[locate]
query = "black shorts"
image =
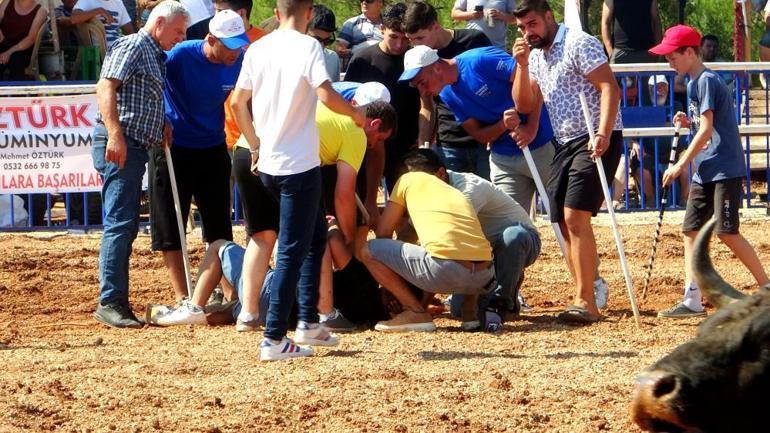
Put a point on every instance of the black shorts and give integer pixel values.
(329, 179)
(575, 180)
(260, 209)
(200, 173)
(724, 195)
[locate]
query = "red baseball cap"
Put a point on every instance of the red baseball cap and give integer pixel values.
(676, 37)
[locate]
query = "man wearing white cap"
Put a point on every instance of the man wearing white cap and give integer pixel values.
(199, 76)
(343, 146)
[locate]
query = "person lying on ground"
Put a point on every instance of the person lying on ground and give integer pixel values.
(356, 293)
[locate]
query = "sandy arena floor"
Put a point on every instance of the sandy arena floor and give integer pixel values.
(63, 371)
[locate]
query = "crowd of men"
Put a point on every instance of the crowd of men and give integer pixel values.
(309, 155)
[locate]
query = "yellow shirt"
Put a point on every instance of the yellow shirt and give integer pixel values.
(341, 139)
(231, 128)
(444, 220)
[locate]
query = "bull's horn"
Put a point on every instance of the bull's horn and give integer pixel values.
(716, 290)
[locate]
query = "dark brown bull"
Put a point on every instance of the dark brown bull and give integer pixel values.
(719, 381)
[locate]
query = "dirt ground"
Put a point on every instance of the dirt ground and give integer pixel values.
(63, 371)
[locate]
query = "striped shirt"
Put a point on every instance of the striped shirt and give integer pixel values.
(138, 62)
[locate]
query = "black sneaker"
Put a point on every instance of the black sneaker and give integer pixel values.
(117, 316)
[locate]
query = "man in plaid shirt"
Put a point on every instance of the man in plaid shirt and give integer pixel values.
(130, 120)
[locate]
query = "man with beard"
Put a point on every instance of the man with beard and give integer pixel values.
(561, 64)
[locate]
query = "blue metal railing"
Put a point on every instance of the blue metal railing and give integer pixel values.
(83, 210)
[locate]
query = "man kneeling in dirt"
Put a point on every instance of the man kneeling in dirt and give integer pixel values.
(506, 225)
(356, 294)
(454, 257)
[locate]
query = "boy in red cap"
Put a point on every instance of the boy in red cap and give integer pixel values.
(719, 165)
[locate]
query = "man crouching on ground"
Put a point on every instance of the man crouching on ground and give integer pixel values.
(454, 257)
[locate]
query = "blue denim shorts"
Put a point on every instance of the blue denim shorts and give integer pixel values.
(231, 256)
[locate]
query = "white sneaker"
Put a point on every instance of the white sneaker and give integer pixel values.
(314, 334)
(284, 349)
(601, 293)
(186, 313)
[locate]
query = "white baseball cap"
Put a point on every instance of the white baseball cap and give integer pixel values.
(658, 79)
(370, 92)
(415, 59)
(227, 26)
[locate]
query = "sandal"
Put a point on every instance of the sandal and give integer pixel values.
(577, 315)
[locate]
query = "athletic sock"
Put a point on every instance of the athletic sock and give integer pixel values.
(307, 326)
(332, 315)
(692, 297)
(245, 316)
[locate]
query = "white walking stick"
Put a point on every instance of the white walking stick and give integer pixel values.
(546, 202)
(611, 211)
(362, 208)
(179, 222)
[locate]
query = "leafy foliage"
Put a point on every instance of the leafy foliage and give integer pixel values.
(708, 16)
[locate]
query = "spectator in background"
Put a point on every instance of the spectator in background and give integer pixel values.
(629, 29)
(145, 7)
(659, 87)
(20, 21)
(764, 43)
(130, 6)
(489, 16)
(384, 63)
(112, 13)
(322, 28)
(87, 34)
(709, 49)
(201, 12)
(361, 31)
(269, 24)
(63, 12)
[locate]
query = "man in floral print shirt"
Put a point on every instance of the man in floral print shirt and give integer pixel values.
(559, 64)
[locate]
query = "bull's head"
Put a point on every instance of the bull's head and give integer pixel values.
(720, 381)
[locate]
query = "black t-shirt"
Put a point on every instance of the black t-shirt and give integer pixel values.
(373, 64)
(450, 133)
(357, 294)
(632, 29)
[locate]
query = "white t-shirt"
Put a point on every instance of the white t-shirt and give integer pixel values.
(282, 70)
(115, 8)
(199, 10)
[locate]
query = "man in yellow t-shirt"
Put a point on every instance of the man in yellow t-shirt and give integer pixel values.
(454, 256)
(342, 149)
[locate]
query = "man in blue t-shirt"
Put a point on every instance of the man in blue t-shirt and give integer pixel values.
(199, 76)
(476, 86)
(717, 154)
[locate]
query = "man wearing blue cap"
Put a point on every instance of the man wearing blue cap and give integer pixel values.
(199, 76)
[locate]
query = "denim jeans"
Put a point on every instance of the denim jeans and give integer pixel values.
(466, 159)
(301, 244)
(515, 249)
(121, 192)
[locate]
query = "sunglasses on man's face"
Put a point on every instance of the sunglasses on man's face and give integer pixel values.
(326, 41)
